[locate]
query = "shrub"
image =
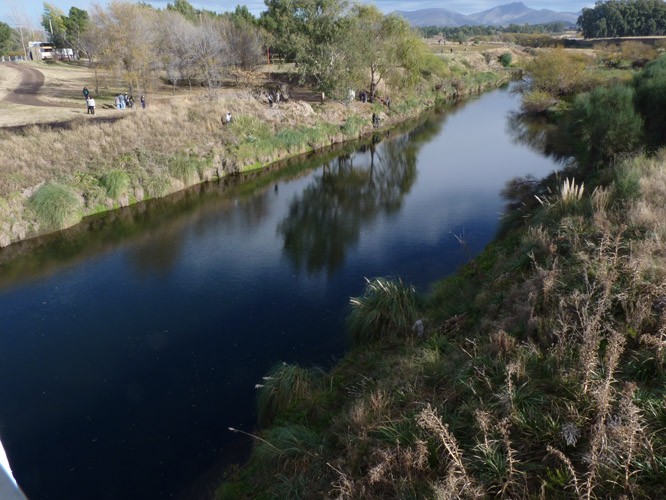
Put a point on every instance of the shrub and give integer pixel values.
(558, 72)
(56, 206)
(386, 308)
(627, 182)
(505, 59)
(284, 385)
(116, 183)
(537, 102)
(650, 100)
(607, 122)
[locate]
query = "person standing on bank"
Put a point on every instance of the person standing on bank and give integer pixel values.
(143, 102)
(86, 93)
(91, 105)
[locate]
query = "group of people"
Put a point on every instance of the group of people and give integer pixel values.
(364, 97)
(121, 101)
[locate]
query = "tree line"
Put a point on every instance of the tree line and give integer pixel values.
(335, 46)
(464, 33)
(618, 18)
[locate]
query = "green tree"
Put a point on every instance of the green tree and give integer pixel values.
(385, 48)
(53, 21)
(6, 34)
(309, 32)
(185, 9)
(75, 25)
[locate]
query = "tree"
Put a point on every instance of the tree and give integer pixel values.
(6, 34)
(185, 9)
(384, 47)
(311, 33)
(53, 21)
(245, 41)
(75, 25)
(209, 49)
(127, 38)
(175, 41)
(618, 18)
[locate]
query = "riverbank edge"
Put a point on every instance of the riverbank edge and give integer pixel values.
(20, 222)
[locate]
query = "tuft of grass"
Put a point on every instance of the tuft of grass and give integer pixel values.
(183, 168)
(353, 125)
(158, 185)
(285, 385)
(116, 183)
(386, 309)
(56, 206)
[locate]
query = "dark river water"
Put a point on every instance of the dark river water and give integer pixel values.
(131, 343)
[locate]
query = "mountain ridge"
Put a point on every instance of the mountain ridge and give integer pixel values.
(501, 15)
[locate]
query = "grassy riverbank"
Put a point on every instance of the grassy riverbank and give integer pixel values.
(539, 371)
(54, 175)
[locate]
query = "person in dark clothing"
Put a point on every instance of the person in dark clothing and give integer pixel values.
(86, 92)
(143, 101)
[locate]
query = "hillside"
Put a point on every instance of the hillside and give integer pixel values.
(502, 15)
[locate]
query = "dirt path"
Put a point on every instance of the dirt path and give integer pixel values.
(26, 93)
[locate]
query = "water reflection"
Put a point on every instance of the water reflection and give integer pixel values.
(326, 219)
(541, 136)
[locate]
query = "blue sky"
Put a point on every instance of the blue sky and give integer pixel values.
(13, 10)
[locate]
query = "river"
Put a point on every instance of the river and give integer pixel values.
(131, 343)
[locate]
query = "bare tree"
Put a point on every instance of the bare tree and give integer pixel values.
(246, 44)
(175, 41)
(129, 41)
(209, 51)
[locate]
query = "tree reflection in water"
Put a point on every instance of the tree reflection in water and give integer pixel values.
(541, 136)
(351, 191)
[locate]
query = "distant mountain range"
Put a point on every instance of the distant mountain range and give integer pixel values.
(502, 15)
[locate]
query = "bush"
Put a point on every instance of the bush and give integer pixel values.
(537, 102)
(56, 206)
(650, 100)
(505, 59)
(607, 122)
(386, 308)
(116, 183)
(558, 72)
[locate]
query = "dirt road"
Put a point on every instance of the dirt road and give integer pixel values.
(26, 92)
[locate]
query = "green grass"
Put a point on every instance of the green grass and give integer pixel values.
(184, 168)
(386, 308)
(117, 183)
(56, 206)
(284, 386)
